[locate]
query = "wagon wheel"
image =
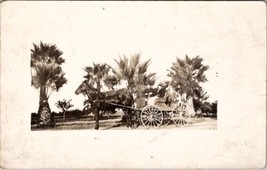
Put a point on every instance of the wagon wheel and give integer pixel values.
(151, 116)
(180, 116)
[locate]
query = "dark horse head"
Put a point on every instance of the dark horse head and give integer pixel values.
(85, 88)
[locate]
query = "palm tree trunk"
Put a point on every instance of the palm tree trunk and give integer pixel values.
(97, 106)
(43, 95)
(190, 107)
(128, 118)
(44, 111)
(96, 115)
(45, 114)
(64, 113)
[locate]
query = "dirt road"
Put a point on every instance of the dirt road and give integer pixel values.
(198, 123)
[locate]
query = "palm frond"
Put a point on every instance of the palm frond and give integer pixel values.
(134, 61)
(187, 73)
(143, 67)
(46, 53)
(47, 74)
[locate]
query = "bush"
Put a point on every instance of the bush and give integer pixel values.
(75, 113)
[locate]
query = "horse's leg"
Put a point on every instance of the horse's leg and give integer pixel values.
(101, 113)
(102, 110)
(128, 118)
(105, 113)
(121, 113)
(108, 114)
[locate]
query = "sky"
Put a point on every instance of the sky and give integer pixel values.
(100, 32)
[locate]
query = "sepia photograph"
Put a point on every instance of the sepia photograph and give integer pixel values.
(133, 85)
(127, 95)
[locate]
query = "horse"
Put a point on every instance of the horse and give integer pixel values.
(107, 101)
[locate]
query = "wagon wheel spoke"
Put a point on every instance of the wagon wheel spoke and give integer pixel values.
(157, 122)
(154, 123)
(146, 121)
(157, 118)
(178, 122)
(150, 123)
(146, 113)
(158, 113)
(182, 122)
(145, 118)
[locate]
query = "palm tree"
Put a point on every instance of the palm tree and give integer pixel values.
(95, 77)
(186, 76)
(47, 76)
(135, 73)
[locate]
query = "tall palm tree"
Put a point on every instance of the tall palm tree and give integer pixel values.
(47, 76)
(186, 76)
(135, 73)
(95, 77)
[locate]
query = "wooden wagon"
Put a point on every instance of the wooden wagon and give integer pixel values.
(158, 113)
